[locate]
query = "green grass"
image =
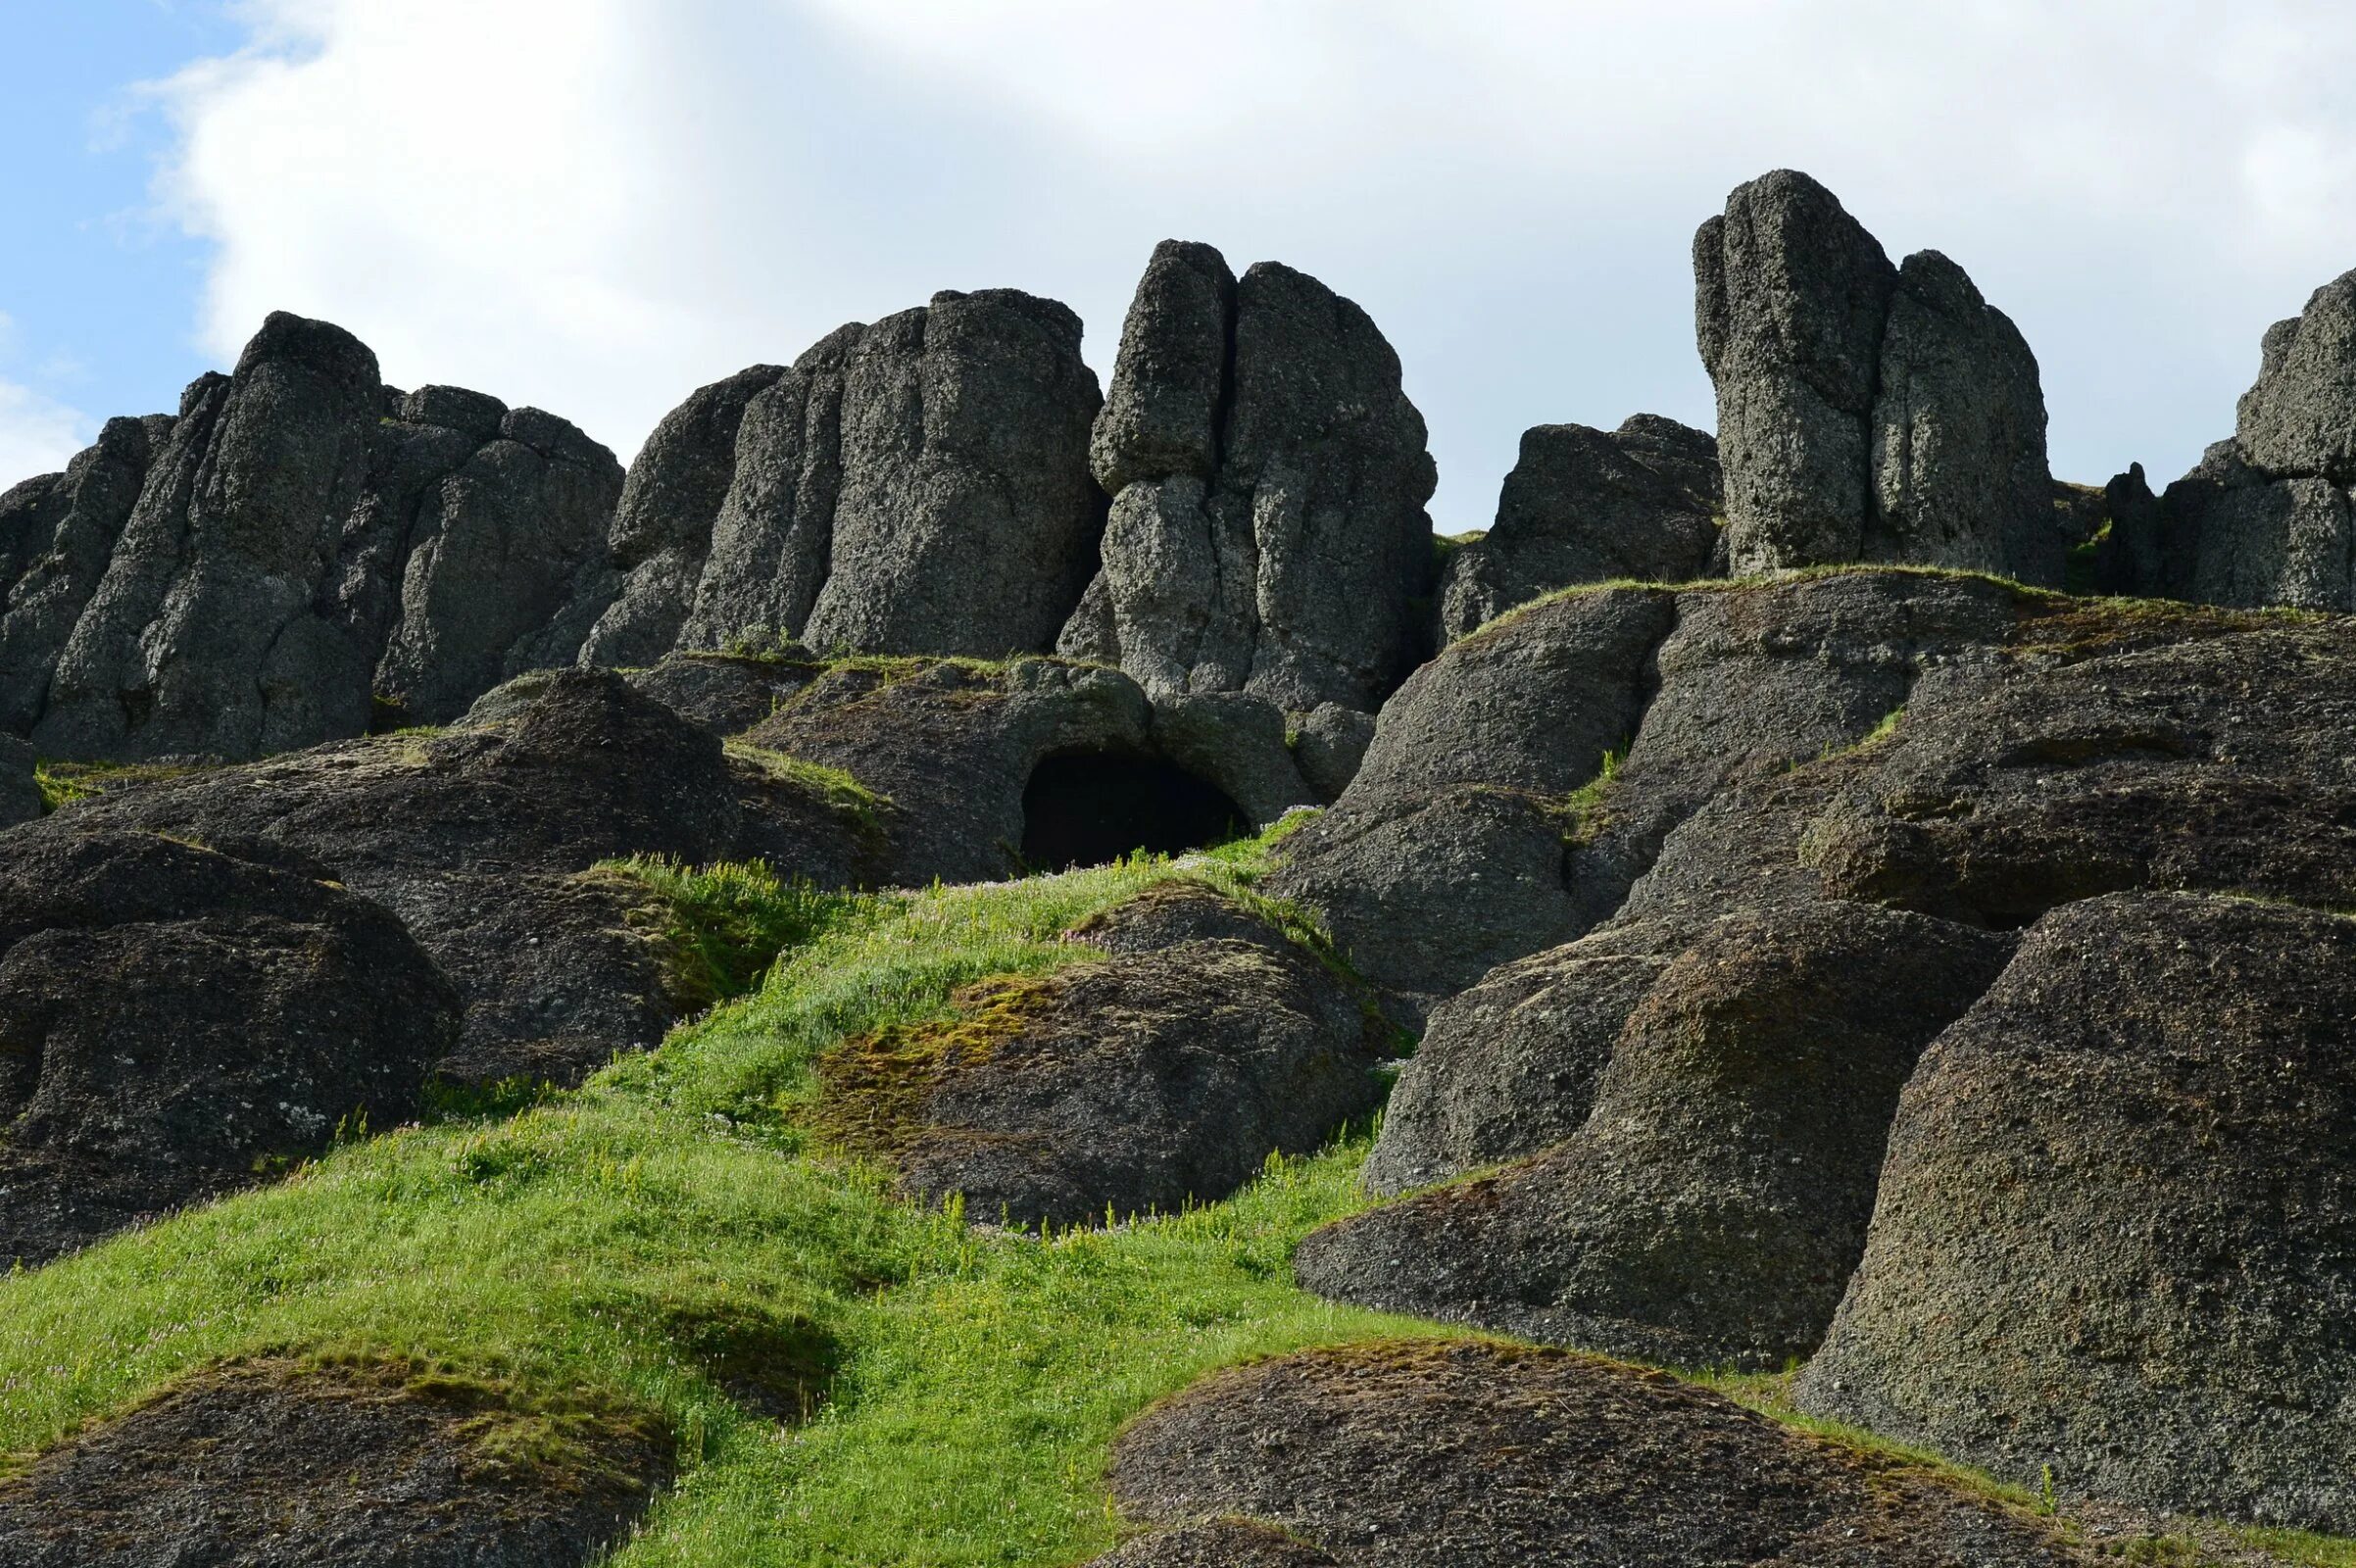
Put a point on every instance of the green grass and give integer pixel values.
(64, 783)
(841, 792)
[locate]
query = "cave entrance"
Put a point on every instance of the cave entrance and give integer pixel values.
(1089, 808)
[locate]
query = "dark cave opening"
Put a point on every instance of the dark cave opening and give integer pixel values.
(1089, 808)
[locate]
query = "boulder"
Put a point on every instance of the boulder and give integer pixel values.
(1865, 412)
(1535, 1458)
(1268, 477)
(1709, 1211)
(1116, 1088)
(1330, 745)
(56, 537)
(367, 1465)
(173, 1021)
(2299, 417)
(663, 520)
(1640, 503)
(479, 839)
(2113, 1241)
(1034, 764)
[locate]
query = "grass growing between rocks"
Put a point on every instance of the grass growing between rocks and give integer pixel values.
(586, 1248)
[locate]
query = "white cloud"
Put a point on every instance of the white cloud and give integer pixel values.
(594, 205)
(36, 433)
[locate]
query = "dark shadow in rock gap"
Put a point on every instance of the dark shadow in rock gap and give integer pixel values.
(1089, 808)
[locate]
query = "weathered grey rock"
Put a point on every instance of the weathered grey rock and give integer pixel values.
(494, 553)
(203, 636)
(1331, 746)
(2299, 417)
(1710, 1209)
(1227, 1544)
(1427, 887)
(173, 1020)
(20, 791)
(1958, 435)
(1267, 530)
(774, 540)
(1582, 506)
(299, 546)
(1865, 412)
(663, 520)
(56, 536)
(1116, 1088)
(2117, 1219)
(967, 521)
(1421, 1453)
(350, 1465)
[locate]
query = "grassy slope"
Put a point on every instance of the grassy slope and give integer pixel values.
(563, 1248)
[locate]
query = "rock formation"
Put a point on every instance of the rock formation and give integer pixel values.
(300, 545)
(19, 790)
(2126, 1173)
(173, 1020)
(1122, 1088)
(1588, 506)
(2263, 518)
(1865, 412)
(916, 486)
(1268, 480)
(1408, 1453)
(351, 1466)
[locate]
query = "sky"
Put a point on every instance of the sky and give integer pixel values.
(597, 204)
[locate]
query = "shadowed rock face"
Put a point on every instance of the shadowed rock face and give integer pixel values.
(479, 838)
(1166, 1076)
(1403, 1454)
(173, 1020)
(2115, 1228)
(1582, 506)
(20, 791)
(298, 545)
(1865, 412)
(355, 1467)
(2263, 518)
(1268, 479)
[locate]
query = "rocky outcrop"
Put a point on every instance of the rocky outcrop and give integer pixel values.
(1696, 1090)
(2124, 1177)
(370, 1465)
(1408, 1454)
(174, 1020)
(299, 546)
(1709, 1211)
(2263, 518)
(664, 523)
(1641, 502)
(56, 537)
(1268, 479)
(1484, 825)
(1132, 1087)
(1038, 764)
(480, 840)
(1865, 412)
(915, 486)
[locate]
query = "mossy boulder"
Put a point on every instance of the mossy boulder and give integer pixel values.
(1465, 1454)
(355, 1465)
(1196, 1040)
(2115, 1239)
